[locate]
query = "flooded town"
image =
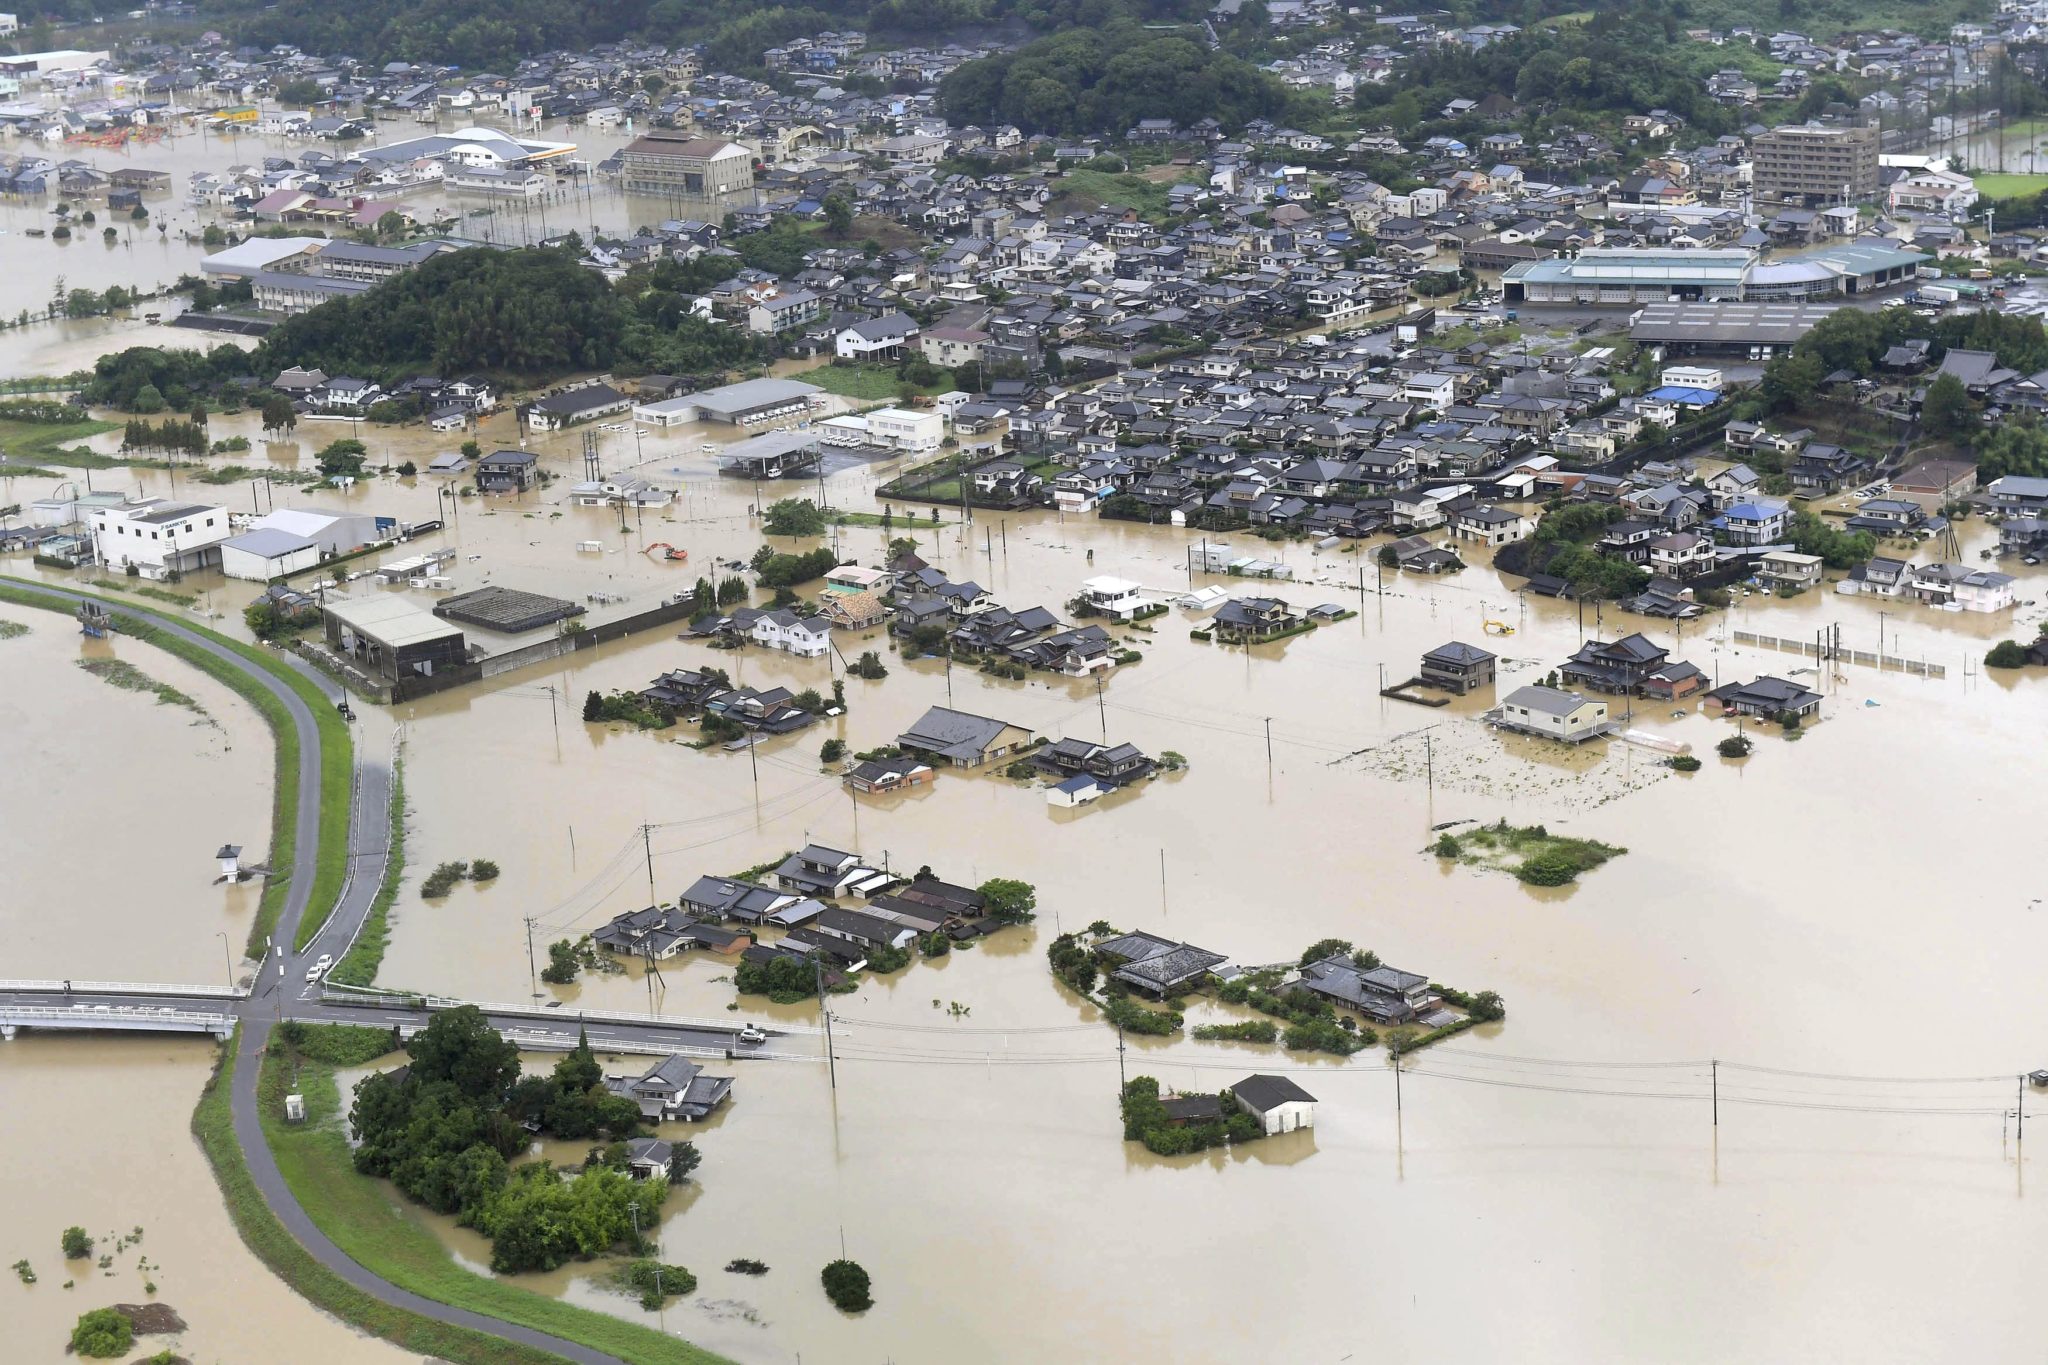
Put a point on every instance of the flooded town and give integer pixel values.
(709, 690)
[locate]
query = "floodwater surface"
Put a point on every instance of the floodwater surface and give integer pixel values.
(1856, 909)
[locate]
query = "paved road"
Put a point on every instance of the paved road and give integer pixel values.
(368, 827)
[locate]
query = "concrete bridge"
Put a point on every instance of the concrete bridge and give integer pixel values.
(89, 1006)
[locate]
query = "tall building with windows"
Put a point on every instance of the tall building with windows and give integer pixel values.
(1816, 163)
(693, 167)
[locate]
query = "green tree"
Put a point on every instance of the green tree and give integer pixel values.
(278, 413)
(103, 1334)
(838, 215)
(793, 517)
(341, 459)
(2007, 654)
(847, 1285)
(1790, 380)
(148, 399)
(562, 963)
(1009, 901)
(460, 1047)
(1947, 411)
(76, 1244)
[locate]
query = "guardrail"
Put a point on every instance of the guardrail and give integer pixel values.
(136, 1017)
(344, 995)
(76, 987)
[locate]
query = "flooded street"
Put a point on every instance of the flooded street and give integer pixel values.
(1543, 1192)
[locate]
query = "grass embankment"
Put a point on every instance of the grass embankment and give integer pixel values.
(358, 966)
(870, 383)
(336, 760)
(1531, 852)
(213, 1125)
(369, 1221)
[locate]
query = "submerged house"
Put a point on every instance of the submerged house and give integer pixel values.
(1158, 966)
(673, 1088)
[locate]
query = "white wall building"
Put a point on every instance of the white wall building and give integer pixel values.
(1117, 597)
(906, 430)
(157, 536)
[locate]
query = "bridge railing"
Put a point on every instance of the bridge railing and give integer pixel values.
(347, 996)
(82, 987)
(137, 1014)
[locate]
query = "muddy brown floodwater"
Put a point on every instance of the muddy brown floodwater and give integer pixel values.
(95, 1135)
(1861, 902)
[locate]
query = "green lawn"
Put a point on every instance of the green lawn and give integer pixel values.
(2012, 186)
(336, 763)
(367, 1219)
(869, 383)
(213, 1125)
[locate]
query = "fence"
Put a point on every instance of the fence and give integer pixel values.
(1812, 649)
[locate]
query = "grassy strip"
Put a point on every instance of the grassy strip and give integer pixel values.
(336, 763)
(339, 1044)
(213, 1125)
(366, 1219)
(358, 966)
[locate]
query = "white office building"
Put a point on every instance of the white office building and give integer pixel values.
(158, 537)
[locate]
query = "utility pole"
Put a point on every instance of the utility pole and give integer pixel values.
(1716, 1074)
(1397, 1085)
(831, 1058)
(2021, 1111)
(1101, 707)
(647, 847)
(1429, 760)
(532, 973)
(554, 716)
(1121, 1082)
(1269, 748)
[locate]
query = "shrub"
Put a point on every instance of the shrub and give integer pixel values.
(1447, 846)
(846, 1284)
(76, 1244)
(870, 666)
(1735, 746)
(1789, 719)
(1684, 763)
(483, 870)
(2006, 654)
(1551, 867)
(742, 1266)
(831, 751)
(103, 1333)
(442, 880)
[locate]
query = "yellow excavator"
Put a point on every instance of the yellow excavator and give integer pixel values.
(1499, 628)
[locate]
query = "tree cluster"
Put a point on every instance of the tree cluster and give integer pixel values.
(443, 1128)
(1104, 80)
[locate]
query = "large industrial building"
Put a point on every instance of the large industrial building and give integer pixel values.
(694, 167)
(750, 402)
(1816, 163)
(1754, 330)
(1626, 276)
